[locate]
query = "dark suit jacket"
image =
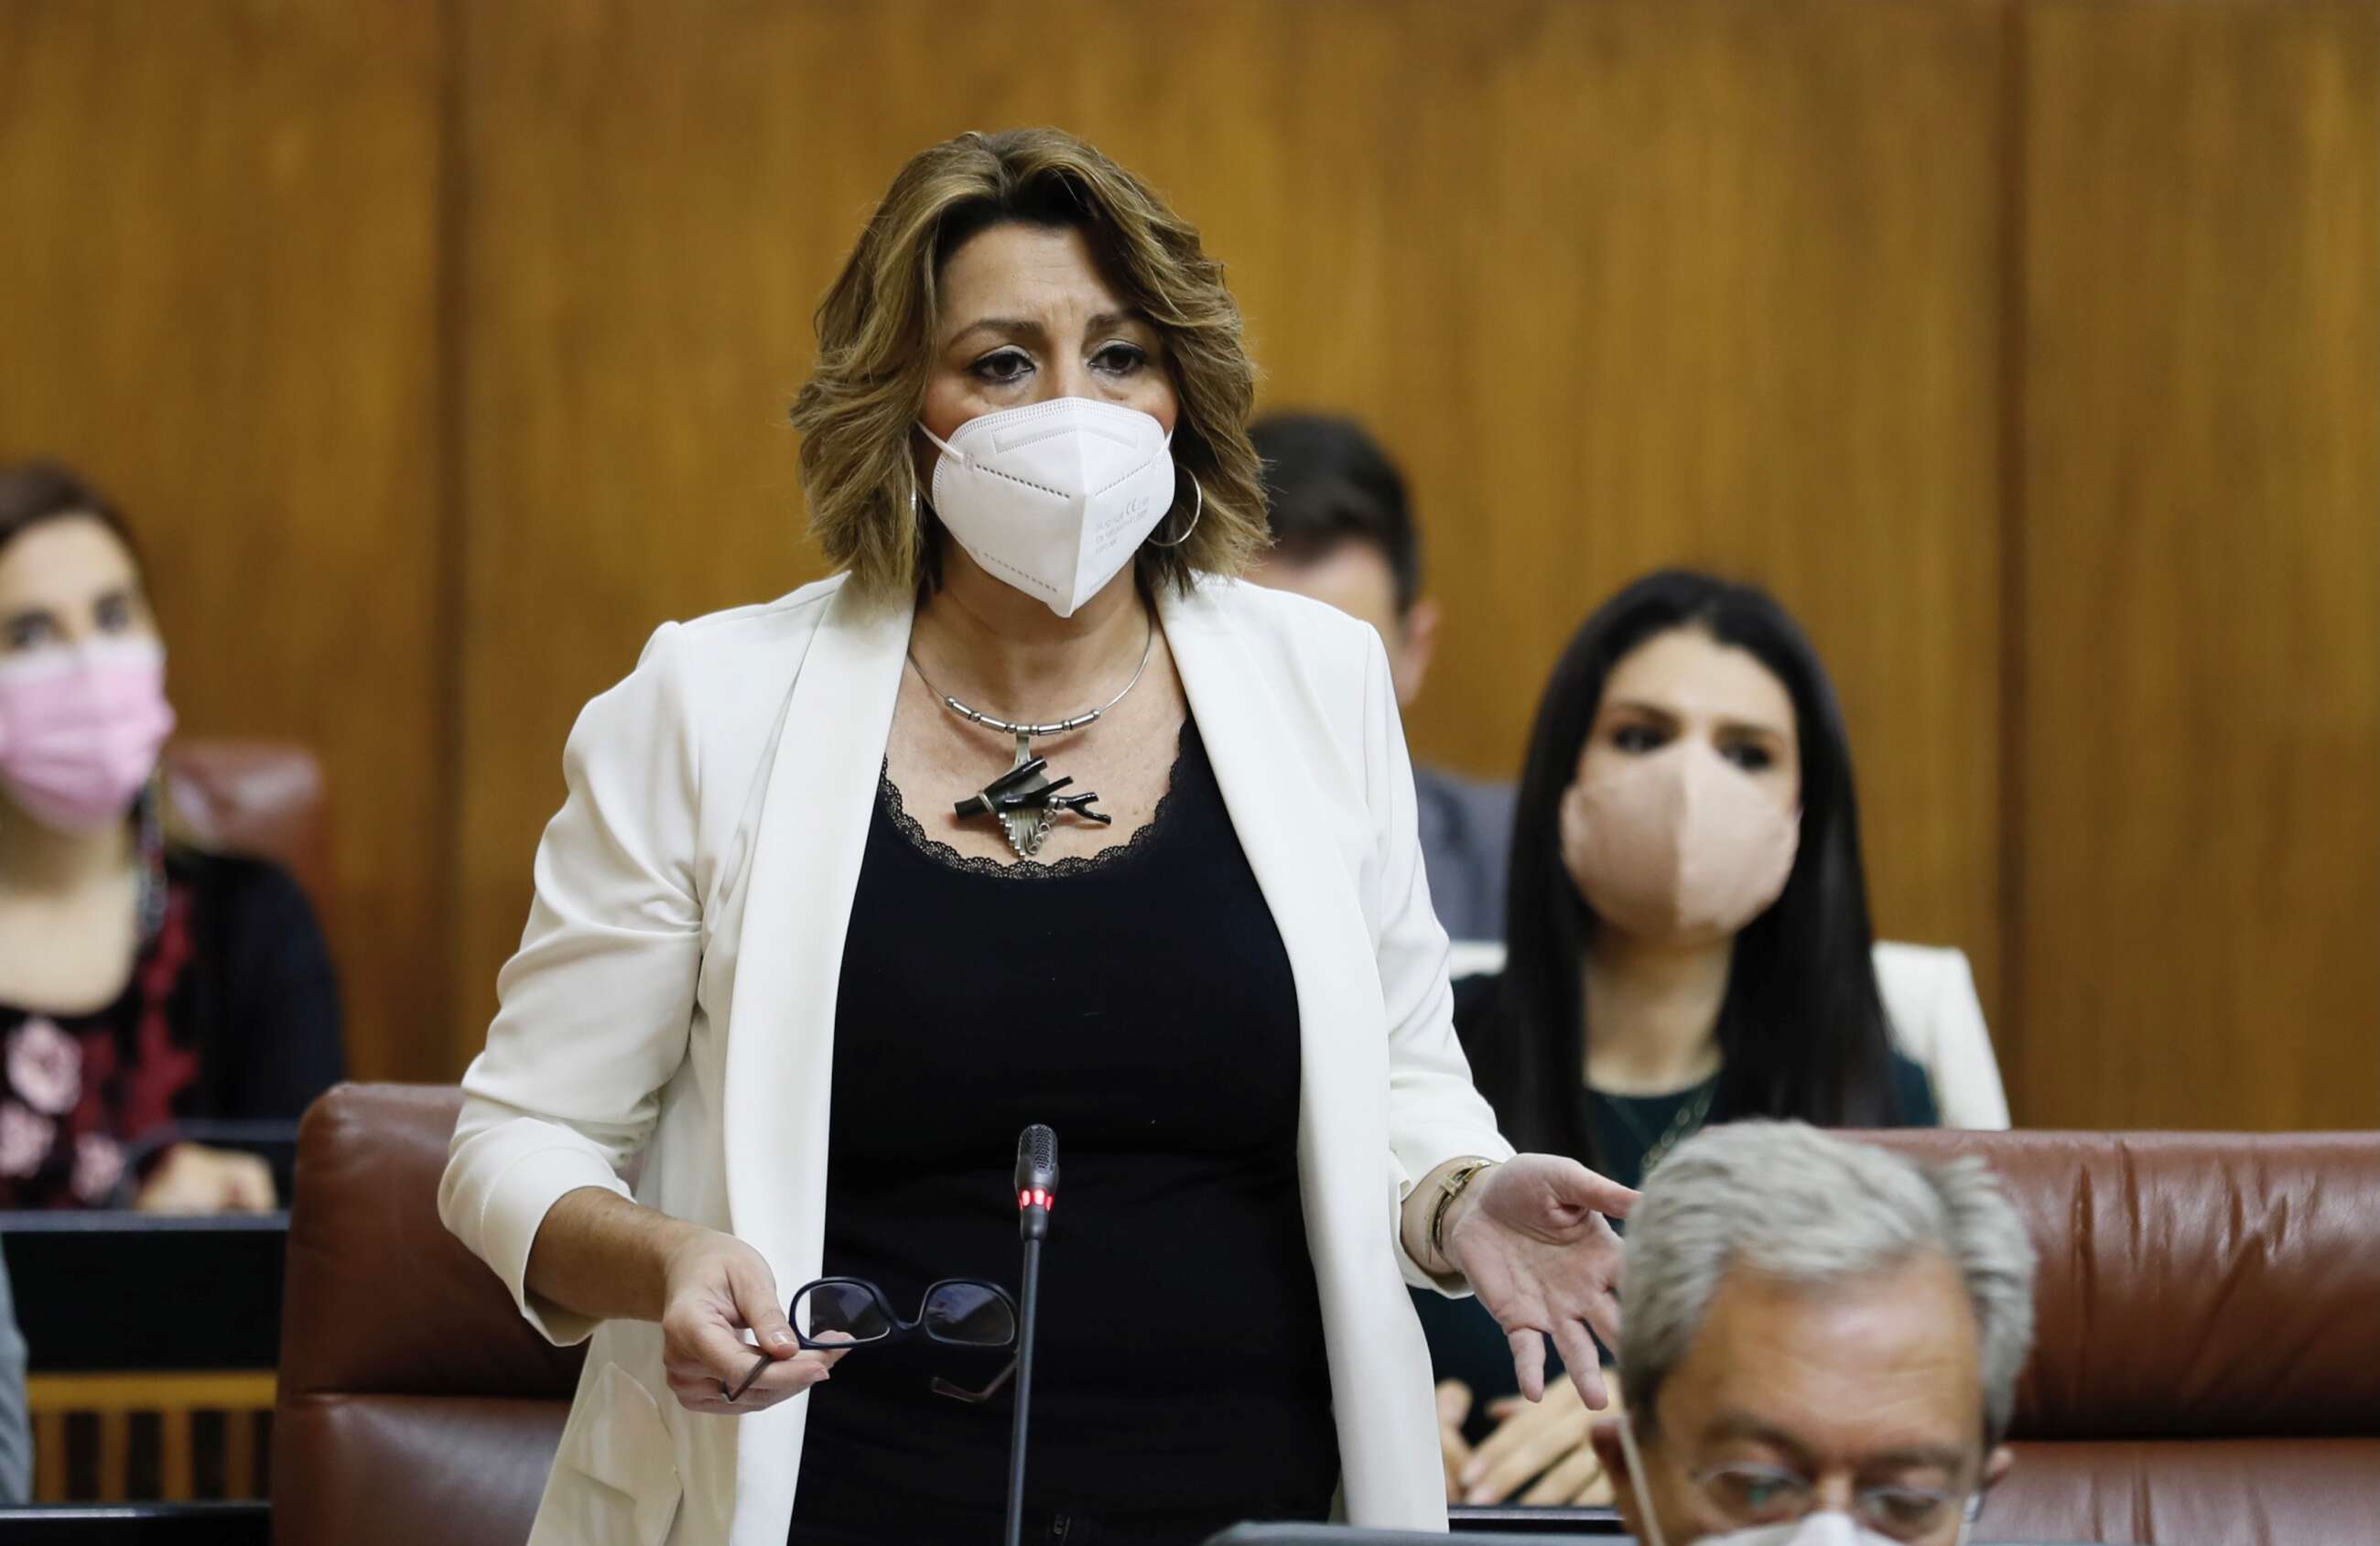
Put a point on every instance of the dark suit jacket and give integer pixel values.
(1466, 839)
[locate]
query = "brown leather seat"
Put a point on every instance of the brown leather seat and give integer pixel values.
(414, 1401)
(2207, 1368)
(2206, 1355)
(260, 800)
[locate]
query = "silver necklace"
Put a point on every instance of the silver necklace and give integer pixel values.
(1025, 799)
(1686, 1124)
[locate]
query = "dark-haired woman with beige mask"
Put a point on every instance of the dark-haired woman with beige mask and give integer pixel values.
(1032, 814)
(1689, 944)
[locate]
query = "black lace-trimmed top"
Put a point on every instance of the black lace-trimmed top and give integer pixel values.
(888, 796)
(1140, 1002)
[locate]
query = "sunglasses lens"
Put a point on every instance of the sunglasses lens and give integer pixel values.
(841, 1309)
(969, 1313)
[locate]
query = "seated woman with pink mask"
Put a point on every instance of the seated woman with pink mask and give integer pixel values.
(1689, 944)
(140, 988)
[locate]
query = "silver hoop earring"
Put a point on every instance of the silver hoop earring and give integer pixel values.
(1199, 510)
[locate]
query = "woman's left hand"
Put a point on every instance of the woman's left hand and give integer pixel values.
(1530, 1235)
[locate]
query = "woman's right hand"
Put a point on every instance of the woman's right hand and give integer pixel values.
(716, 1289)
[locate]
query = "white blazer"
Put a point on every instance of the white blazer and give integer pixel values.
(673, 1006)
(1929, 997)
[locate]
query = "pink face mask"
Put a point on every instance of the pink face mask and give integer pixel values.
(1682, 846)
(79, 729)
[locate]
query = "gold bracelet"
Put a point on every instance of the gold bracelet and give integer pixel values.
(1450, 1188)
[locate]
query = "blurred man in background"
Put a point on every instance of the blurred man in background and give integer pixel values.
(1344, 535)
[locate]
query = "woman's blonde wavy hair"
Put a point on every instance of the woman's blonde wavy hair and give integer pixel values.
(875, 326)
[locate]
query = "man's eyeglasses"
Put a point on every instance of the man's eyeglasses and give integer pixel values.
(837, 1314)
(1751, 1495)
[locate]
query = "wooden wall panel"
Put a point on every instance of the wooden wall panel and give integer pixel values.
(2199, 795)
(2025, 347)
(1622, 284)
(218, 288)
(1758, 334)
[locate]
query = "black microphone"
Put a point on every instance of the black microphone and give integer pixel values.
(1036, 1193)
(1036, 1180)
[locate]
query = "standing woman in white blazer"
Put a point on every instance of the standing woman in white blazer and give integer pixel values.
(807, 952)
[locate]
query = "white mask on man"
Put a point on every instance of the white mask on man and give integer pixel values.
(1054, 498)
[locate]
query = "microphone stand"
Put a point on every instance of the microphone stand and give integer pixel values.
(1030, 1302)
(1036, 1193)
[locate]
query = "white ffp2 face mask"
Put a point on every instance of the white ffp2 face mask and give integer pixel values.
(1054, 498)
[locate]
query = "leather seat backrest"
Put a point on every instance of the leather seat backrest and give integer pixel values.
(259, 799)
(412, 1392)
(2207, 1355)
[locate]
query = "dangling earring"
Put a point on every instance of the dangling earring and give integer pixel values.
(149, 816)
(1199, 510)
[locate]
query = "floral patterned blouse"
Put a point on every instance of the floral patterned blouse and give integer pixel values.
(78, 1092)
(232, 1015)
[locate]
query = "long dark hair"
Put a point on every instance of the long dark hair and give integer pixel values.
(1801, 1031)
(35, 492)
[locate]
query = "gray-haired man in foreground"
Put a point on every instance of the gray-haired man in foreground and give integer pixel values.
(1821, 1343)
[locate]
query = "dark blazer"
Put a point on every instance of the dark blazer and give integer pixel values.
(1466, 841)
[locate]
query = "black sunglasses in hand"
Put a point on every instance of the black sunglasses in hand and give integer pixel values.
(835, 1315)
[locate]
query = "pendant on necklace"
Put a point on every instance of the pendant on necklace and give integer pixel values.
(1026, 800)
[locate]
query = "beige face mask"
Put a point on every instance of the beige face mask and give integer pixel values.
(1680, 847)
